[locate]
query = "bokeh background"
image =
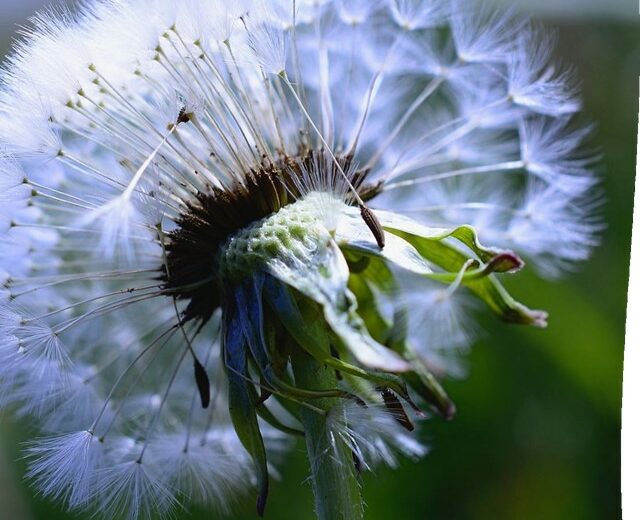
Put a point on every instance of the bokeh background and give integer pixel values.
(537, 435)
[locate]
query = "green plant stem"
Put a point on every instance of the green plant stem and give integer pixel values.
(334, 477)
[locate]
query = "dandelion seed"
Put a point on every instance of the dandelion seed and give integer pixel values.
(225, 226)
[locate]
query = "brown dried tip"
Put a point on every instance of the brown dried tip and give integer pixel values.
(202, 381)
(184, 116)
(398, 412)
(373, 224)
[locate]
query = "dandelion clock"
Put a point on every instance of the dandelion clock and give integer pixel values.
(226, 226)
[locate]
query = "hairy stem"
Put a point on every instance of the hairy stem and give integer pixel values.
(333, 473)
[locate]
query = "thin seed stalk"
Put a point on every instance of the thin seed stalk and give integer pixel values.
(336, 486)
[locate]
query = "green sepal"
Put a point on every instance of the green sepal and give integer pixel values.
(249, 306)
(379, 327)
(300, 320)
(487, 288)
(394, 335)
(326, 284)
(352, 237)
(267, 416)
(376, 271)
(243, 404)
(465, 234)
(434, 246)
(429, 389)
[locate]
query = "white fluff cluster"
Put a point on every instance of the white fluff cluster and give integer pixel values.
(374, 435)
(113, 118)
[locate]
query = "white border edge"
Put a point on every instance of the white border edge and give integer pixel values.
(630, 436)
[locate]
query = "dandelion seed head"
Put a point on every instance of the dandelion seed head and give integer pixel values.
(192, 192)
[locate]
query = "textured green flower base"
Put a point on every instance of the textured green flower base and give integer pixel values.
(293, 235)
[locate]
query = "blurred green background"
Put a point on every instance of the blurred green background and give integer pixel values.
(537, 435)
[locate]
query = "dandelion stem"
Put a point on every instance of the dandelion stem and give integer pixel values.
(336, 486)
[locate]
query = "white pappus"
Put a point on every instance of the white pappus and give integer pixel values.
(181, 181)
